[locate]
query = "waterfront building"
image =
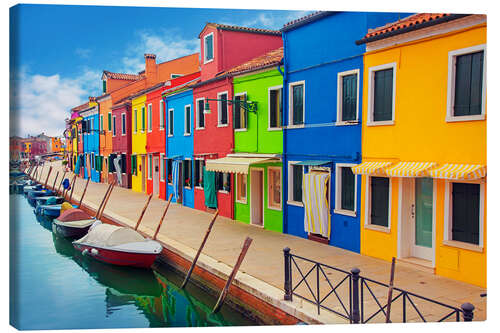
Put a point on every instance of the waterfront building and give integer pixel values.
(178, 112)
(423, 187)
(222, 48)
(90, 141)
(258, 142)
(323, 73)
(139, 137)
(122, 139)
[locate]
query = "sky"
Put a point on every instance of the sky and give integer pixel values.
(58, 52)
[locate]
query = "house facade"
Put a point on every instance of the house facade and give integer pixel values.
(122, 140)
(322, 133)
(90, 141)
(139, 138)
(222, 48)
(423, 186)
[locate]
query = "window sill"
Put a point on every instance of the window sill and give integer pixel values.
(274, 129)
(223, 191)
(222, 125)
(278, 209)
(347, 123)
(207, 61)
(378, 228)
(380, 123)
(295, 203)
(345, 212)
(162, 128)
(187, 134)
(170, 135)
(463, 245)
(187, 187)
(123, 134)
(199, 128)
(295, 126)
(241, 202)
(240, 129)
(170, 184)
(454, 119)
(198, 187)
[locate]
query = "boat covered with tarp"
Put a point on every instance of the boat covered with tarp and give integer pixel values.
(72, 223)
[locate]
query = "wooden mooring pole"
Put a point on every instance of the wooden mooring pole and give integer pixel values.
(54, 185)
(72, 188)
(32, 176)
(48, 175)
(84, 191)
(102, 201)
(224, 292)
(106, 201)
(389, 296)
(143, 211)
(188, 275)
(59, 188)
(163, 216)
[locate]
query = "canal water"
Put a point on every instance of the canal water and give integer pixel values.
(52, 286)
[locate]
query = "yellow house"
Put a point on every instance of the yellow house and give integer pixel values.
(423, 194)
(139, 138)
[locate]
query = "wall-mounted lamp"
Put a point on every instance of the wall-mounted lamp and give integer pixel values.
(244, 104)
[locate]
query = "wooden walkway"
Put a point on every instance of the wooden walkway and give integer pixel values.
(264, 260)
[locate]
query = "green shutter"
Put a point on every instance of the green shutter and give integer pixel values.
(103, 86)
(380, 201)
(109, 121)
(135, 121)
(465, 212)
(468, 84)
(209, 47)
(298, 104)
(349, 94)
(273, 108)
(143, 118)
(347, 189)
(382, 104)
(297, 183)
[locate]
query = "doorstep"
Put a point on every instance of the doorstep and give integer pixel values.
(417, 263)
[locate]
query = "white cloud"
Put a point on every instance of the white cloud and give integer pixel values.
(269, 20)
(83, 53)
(40, 103)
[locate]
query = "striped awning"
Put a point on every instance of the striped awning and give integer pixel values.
(371, 168)
(459, 171)
(409, 169)
(235, 164)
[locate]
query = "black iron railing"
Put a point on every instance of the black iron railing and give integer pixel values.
(352, 292)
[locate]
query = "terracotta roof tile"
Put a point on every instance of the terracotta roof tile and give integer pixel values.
(266, 60)
(245, 29)
(409, 23)
(122, 76)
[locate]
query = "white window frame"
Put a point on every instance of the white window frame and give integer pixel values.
(162, 120)
(198, 113)
(205, 60)
(269, 169)
(170, 120)
(150, 166)
(162, 171)
(219, 109)
(237, 189)
(368, 206)
(187, 131)
(452, 56)
(448, 218)
(195, 161)
(290, 103)
(113, 125)
(290, 200)
(149, 124)
(145, 116)
(191, 176)
(269, 128)
(246, 125)
(338, 191)
(229, 175)
(371, 92)
(124, 124)
(340, 92)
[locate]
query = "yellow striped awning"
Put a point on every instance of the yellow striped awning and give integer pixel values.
(370, 168)
(459, 171)
(409, 169)
(235, 164)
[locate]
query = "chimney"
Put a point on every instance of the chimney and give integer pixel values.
(151, 70)
(91, 99)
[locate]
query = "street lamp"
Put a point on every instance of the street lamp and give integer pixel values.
(244, 104)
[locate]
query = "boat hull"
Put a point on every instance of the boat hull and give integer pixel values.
(120, 258)
(69, 231)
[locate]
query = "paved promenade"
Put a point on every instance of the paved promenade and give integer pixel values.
(264, 260)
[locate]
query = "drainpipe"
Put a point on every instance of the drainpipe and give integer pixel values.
(284, 191)
(165, 106)
(233, 197)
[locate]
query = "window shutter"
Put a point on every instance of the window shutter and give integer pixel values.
(347, 189)
(143, 119)
(465, 206)
(297, 183)
(383, 95)
(109, 121)
(273, 108)
(104, 86)
(298, 104)
(380, 201)
(349, 92)
(468, 84)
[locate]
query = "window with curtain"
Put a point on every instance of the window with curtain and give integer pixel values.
(223, 181)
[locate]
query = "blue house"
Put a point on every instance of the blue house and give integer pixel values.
(179, 164)
(322, 96)
(90, 137)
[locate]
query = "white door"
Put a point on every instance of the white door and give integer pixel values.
(156, 175)
(257, 197)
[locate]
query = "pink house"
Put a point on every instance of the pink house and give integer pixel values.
(222, 47)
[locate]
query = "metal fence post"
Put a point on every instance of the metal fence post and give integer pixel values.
(468, 311)
(288, 274)
(355, 295)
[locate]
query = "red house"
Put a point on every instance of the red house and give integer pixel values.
(156, 135)
(222, 47)
(122, 141)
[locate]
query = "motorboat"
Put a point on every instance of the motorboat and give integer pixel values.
(121, 246)
(32, 195)
(72, 223)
